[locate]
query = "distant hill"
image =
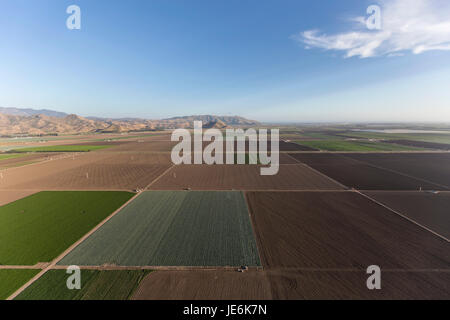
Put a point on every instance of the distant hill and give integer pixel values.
(228, 120)
(20, 122)
(31, 112)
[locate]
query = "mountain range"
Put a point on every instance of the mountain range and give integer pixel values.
(18, 121)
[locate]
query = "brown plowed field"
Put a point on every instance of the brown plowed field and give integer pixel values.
(134, 158)
(11, 196)
(242, 177)
(144, 145)
(13, 162)
(339, 230)
(433, 167)
(361, 175)
(204, 285)
(98, 176)
(430, 210)
(290, 285)
(352, 285)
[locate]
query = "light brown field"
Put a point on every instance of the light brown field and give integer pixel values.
(204, 285)
(11, 196)
(242, 177)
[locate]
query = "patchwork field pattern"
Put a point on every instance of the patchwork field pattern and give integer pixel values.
(173, 229)
(95, 285)
(40, 227)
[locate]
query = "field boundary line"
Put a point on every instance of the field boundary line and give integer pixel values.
(402, 215)
(68, 250)
(159, 177)
(320, 173)
(398, 172)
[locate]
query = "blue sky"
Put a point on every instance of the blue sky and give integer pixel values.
(302, 61)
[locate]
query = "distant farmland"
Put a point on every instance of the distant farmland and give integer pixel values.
(41, 226)
(67, 148)
(95, 285)
(342, 145)
(170, 228)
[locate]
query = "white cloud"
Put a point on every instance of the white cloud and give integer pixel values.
(407, 25)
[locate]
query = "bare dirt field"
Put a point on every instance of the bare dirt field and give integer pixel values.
(339, 230)
(352, 285)
(433, 167)
(26, 159)
(204, 285)
(428, 209)
(290, 285)
(10, 196)
(362, 175)
(242, 177)
(144, 145)
(98, 176)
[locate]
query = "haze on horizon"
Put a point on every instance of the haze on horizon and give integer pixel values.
(271, 61)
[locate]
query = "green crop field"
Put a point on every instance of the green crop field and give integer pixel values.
(95, 285)
(174, 228)
(341, 145)
(11, 280)
(68, 148)
(427, 137)
(40, 227)
(10, 156)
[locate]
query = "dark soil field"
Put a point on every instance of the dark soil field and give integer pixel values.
(204, 285)
(290, 285)
(174, 228)
(242, 177)
(428, 209)
(361, 175)
(432, 167)
(351, 285)
(339, 230)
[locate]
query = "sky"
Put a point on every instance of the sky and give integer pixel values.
(272, 61)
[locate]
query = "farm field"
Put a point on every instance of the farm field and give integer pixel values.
(422, 144)
(11, 280)
(11, 196)
(428, 209)
(40, 227)
(21, 159)
(362, 175)
(64, 148)
(96, 285)
(99, 176)
(162, 228)
(351, 285)
(204, 285)
(339, 230)
(433, 167)
(344, 145)
(9, 156)
(238, 177)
